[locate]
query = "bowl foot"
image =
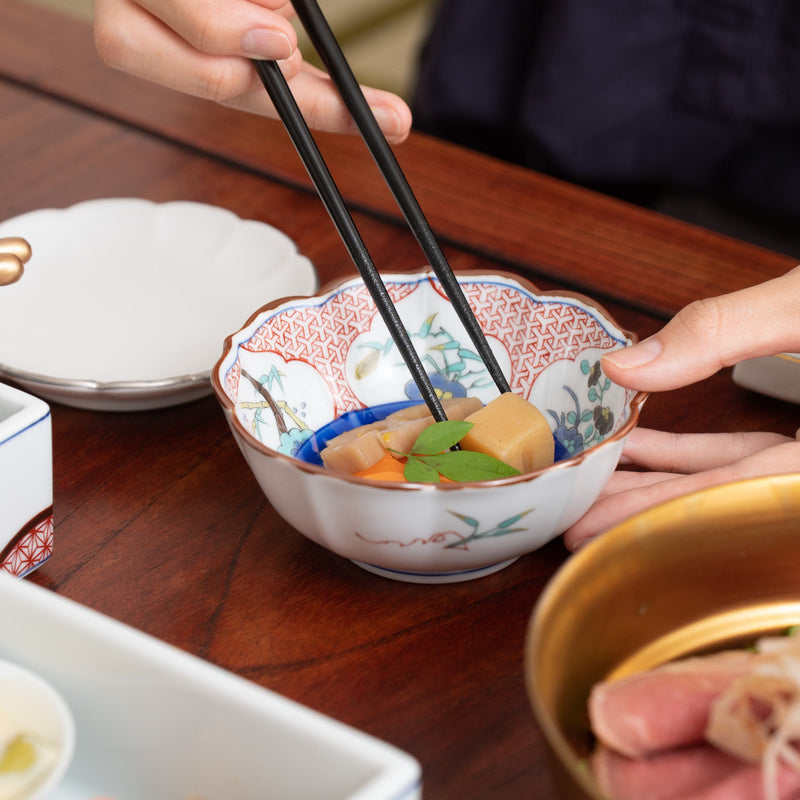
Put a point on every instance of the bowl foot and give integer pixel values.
(453, 576)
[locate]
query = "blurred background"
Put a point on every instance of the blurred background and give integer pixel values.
(380, 39)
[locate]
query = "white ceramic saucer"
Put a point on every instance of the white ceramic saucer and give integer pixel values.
(776, 376)
(125, 303)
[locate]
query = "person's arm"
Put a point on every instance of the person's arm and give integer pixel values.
(702, 338)
(205, 47)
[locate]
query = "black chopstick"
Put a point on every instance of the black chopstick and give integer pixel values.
(327, 47)
(286, 106)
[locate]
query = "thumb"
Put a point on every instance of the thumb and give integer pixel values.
(713, 333)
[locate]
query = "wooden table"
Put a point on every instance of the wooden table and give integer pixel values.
(158, 521)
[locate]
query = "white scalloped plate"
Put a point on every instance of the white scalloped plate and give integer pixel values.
(125, 303)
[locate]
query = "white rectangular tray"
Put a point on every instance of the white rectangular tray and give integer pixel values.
(155, 723)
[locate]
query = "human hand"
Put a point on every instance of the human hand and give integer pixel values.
(205, 47)
(701, 339)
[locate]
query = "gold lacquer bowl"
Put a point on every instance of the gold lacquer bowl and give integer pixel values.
(711, 570)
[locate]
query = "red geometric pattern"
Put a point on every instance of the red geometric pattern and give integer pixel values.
(30, 549)
(534, 332)
(304, 334)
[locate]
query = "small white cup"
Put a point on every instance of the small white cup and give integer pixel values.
(35, 707)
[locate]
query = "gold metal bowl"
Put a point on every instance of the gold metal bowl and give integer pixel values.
(714, 569)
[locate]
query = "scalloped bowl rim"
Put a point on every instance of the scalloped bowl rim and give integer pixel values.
(324, 294)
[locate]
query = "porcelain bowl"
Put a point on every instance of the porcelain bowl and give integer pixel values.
(301, 362)
(705, 572)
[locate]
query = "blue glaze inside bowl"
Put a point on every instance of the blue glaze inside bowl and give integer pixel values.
(310, 449)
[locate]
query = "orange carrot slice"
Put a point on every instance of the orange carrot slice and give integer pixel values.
(387, 468)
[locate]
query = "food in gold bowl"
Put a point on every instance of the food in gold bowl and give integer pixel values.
(714, 571)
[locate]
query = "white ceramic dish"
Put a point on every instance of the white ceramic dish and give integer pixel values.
(26, 481)
(777, 376)
(300, 363)
(125, 303)
(154, 722)
(31, 706)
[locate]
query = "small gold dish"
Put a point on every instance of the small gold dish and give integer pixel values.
(711, 570)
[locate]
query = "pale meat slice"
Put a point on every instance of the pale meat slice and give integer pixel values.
(699, 772)
(666, 707)
(679, 773)
(748, 783)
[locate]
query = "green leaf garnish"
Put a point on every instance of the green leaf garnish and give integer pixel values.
(440, 436)
(417, 471)
(431, 457)
(466, 465)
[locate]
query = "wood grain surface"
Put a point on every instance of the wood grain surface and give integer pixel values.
(158, 521)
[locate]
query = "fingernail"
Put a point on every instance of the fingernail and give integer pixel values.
(387, 120)
(266, 43)
(636, 355)
(580, 544)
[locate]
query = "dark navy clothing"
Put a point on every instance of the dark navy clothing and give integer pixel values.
(626, 96)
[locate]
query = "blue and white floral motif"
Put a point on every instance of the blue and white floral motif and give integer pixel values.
(576, 430)
(277, 414)
(452, 539)
(454, 370)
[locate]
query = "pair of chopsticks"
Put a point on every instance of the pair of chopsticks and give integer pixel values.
(339, 70)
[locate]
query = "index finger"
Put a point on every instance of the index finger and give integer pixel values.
(131, 39)
(229, 27)
(713, 333)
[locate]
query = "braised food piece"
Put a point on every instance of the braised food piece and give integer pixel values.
(361, 448)
(405, 425)
(513, 431)
(355, 450)
(454, 407)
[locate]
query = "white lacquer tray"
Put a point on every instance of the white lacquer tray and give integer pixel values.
(154, 723)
